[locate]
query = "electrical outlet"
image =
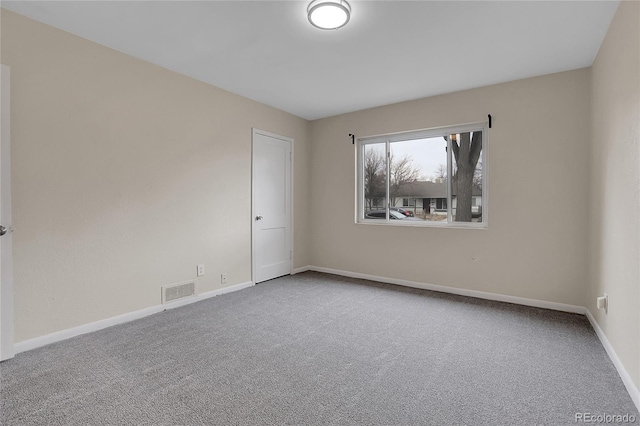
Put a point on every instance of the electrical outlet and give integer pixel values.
(200, 270)
(223, 278)
(602, 302)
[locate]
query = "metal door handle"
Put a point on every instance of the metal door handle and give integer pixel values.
(3, 230)
(259, 217)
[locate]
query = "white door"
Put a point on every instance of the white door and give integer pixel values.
(271, 206)
(6, 272)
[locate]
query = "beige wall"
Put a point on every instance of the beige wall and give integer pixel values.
(614, 225)
(535, 245)
(125, 177)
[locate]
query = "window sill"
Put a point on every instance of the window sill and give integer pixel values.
(425, 224)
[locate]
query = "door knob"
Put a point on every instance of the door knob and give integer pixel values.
(3, 230)
(259, 218)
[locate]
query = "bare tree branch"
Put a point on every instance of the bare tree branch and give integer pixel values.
(441, 172)
(401, 171)
(374, 177)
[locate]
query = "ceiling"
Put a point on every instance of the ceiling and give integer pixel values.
(390, 51)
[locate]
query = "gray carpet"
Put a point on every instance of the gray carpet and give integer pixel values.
(319, 349)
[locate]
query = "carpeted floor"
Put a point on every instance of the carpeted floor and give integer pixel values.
(319, 349)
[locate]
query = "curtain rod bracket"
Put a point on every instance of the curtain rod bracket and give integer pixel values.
(353, 138)
(489, 120)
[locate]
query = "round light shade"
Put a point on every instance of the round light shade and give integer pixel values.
(329, 14)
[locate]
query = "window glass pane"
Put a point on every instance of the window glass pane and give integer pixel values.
(418, 173)
(375, 178)
(466, 191)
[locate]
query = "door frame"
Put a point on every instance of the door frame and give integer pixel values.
(6, 281)
(254, 132)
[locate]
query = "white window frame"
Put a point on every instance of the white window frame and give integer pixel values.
(444, 131)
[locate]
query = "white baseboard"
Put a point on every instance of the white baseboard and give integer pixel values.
(459, 291)
(633, 390)
(58, 336)
(300, 270)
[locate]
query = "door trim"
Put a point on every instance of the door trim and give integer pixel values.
(254, 132)
(6, 282)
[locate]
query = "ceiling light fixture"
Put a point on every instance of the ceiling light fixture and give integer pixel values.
(329, 14)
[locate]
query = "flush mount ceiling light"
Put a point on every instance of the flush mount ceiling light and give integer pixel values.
(329, 14)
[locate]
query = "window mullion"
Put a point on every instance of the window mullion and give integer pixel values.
(360, 181)
(449, 180)
(388, 158)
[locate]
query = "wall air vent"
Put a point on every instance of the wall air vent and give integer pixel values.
(178, 291)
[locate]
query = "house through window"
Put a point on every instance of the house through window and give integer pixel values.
(432, 177)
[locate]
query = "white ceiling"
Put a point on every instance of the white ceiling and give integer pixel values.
(390, 51)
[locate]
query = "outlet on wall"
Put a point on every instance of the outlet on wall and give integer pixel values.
(223, 278)
(602, 302)
(200, 270)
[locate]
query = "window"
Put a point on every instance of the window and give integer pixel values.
(439, 173)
